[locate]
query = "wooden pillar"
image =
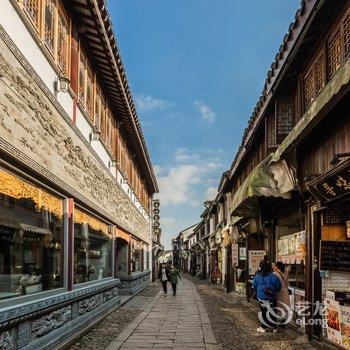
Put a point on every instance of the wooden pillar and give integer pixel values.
(309, 263)
(129, 258)
(70, 238)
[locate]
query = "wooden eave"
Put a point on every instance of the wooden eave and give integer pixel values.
(100, 41)
(288, 48)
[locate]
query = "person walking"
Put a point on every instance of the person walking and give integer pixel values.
(174, 278)
(164, 277)
(267, 286)
(283, 299)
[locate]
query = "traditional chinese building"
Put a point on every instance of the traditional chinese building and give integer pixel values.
(288, 185)
(76, 180)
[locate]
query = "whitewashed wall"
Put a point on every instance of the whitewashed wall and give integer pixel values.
(24, 40)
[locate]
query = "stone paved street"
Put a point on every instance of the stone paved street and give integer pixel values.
(234, 323)
(170, 322)
(201, 316)
(101, 335)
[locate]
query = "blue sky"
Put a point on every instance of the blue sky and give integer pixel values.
(196, 69)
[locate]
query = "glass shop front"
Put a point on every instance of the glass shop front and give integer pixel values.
(31, 237)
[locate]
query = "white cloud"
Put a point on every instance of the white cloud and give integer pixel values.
(146, 103)
(207, 114)
(182, 183)
(211, 193)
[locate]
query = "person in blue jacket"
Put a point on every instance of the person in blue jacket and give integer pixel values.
(267, 285)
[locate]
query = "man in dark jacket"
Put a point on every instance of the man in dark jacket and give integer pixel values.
(164, 277)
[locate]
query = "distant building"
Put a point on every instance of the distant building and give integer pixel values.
(166, 257)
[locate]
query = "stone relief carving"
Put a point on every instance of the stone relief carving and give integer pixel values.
(52, 321)
(109, 294)
(89, 304)
(6, 341)
(41, 130)
(19, 313)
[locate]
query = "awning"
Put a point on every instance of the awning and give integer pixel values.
(312, 115)
(25, 227)
(259, 183)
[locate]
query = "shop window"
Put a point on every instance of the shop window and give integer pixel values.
(135, 256)
(92, 248)
(334, 55)
(31, 243)
(32, 9)
(63, 41)
(49, 24)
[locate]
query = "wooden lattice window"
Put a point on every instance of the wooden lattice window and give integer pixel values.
(309, 89)
(109, 129)
(98, 106)
(32, 9)
(103, 118)
(346, 35)
(49, 25)
(334, 55)
(284, 117)
(320, 74)
(89, 92)
(82, 77)
(62, 41)
(270, 132)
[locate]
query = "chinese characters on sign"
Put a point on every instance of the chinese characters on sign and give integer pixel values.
(332, 187)
(255, 257)
(234, 254)
(291, 249)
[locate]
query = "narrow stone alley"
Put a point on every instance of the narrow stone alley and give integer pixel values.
(199, 317)
(170, 322)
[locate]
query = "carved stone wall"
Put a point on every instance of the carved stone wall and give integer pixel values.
(6, 340)
(134, 283)
(35, 129)
(35, 327)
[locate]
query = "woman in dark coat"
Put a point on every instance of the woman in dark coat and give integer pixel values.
(174, 278)
(267, 285)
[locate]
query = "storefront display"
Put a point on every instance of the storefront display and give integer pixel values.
(255, 257)
(31, 237)
(135, 256)
(92, 248)
(291, 248)
(235, 257)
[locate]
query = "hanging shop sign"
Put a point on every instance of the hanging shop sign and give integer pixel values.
(333, 185)
(235, 258)
(242, 253)
(156, 219)
(291, 249)
(255, 257)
